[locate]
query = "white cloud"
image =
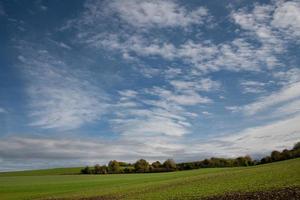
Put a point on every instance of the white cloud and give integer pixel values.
(60, 96)
(253, 86)
(279, 103)
(76, 150)
(45, 152)
(286, 94)
(252, 83)
(256, 20)
(254, 141)
(143, 117)
(63, 45)
(233, 108)
(172, 72)
(147, 71)
(204, 84)
(188, 97)
(133, 44)
(155, 112)
(128, 93)
(292, 107)
(272, 23)
(236, 55)
(150, 125)
(2, 11)
(262, 139)
(2, 110)
(289, 76)
(148, 14)
(239, 54)
(43, 8)
(286, 17)
(63, 151)
(206, 113)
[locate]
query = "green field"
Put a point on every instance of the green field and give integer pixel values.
(43, 172)
(47, 184)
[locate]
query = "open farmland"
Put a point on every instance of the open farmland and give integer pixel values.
(49, 184)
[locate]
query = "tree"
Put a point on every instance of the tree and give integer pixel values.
(123, 164)
(241, 161)
(205, 163)
(86, 170)
(170, 165)
(141, 166)
(129, 170)
(156, 164)
(114, 166)
(249, 160)
(266, 159)
(286, 154)
(275, 156)
(296, 146)
(97, 169)
(103, 169)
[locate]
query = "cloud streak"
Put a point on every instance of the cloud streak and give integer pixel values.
(285, 95)
(60, 97)
(255, 141)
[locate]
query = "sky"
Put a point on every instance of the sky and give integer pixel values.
(86, 81)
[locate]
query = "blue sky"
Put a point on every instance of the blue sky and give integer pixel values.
(84, 82)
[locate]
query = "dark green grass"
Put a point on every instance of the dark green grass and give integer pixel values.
(176, 185)
(43, 172)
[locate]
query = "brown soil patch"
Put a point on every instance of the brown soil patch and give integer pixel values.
(288, 193)
(99, 198)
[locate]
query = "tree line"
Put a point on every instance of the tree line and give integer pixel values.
(143, 166)
(283, 155)
(140, 166)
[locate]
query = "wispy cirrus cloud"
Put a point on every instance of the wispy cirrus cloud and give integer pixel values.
(253, 86)
(286, 95)
(204, 84)
(290, 108)
(2, 11)
(157, 112)
(2, 110)
(163, 113)
(60, 97)
(184, 97)
(255, 141)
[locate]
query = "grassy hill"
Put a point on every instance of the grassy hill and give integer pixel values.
(43, 172)
(46, 184)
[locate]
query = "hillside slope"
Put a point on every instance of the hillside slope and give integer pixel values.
(176, 185)
(44, 172)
